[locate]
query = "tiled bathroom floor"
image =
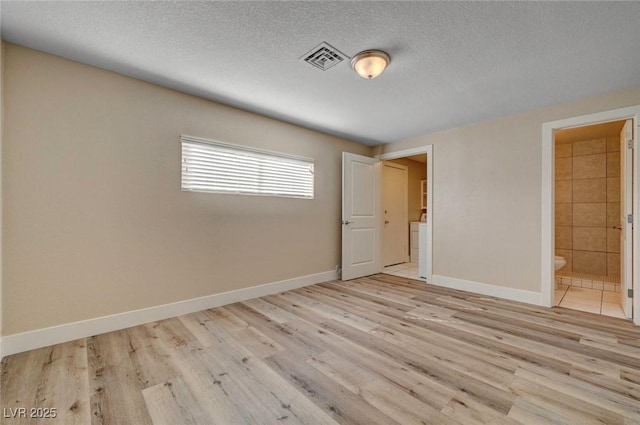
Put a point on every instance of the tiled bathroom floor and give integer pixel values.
(409, 270)
(589, 300)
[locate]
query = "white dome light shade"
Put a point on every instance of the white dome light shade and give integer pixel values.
(370, 63)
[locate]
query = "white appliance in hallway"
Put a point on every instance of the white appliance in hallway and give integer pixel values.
(422, 250)
(414, 241)
(419, 248)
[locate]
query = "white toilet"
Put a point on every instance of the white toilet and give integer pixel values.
(559, 262)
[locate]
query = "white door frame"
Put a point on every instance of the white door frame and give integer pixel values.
(428, 149)
(626, 208)
(548, 188)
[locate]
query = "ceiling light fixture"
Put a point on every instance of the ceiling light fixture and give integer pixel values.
(370, 63)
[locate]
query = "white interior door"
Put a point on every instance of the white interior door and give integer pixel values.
(360, 216)
(395, 227)
(626, 211)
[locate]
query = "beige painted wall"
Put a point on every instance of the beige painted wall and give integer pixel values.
(487, 192)
(95, 222)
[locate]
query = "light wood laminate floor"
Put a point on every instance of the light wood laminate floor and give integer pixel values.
(382, 350)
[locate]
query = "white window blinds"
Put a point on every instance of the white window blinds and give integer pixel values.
(210, 166)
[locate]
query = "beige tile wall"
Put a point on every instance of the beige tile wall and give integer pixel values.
(588, 205)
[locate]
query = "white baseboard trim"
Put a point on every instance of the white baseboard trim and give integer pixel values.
(18, 343)
(521, 295)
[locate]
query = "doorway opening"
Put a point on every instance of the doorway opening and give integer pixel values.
(403, 203)
(588, 227)
(362, 217)
(414, 258)
(589, 205)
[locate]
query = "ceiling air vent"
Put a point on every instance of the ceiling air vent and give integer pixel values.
(324, 56)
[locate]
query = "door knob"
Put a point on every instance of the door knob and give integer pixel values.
(386, 222)
(346, 222)
(617, 227)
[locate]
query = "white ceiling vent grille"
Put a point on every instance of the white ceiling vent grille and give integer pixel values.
(324, 56)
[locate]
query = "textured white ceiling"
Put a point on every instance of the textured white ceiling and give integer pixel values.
(453, 63)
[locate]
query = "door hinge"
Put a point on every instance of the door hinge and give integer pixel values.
(629, 293)
(630, 218)
(630, 144)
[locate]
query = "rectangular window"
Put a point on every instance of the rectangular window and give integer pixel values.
(210, 166)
